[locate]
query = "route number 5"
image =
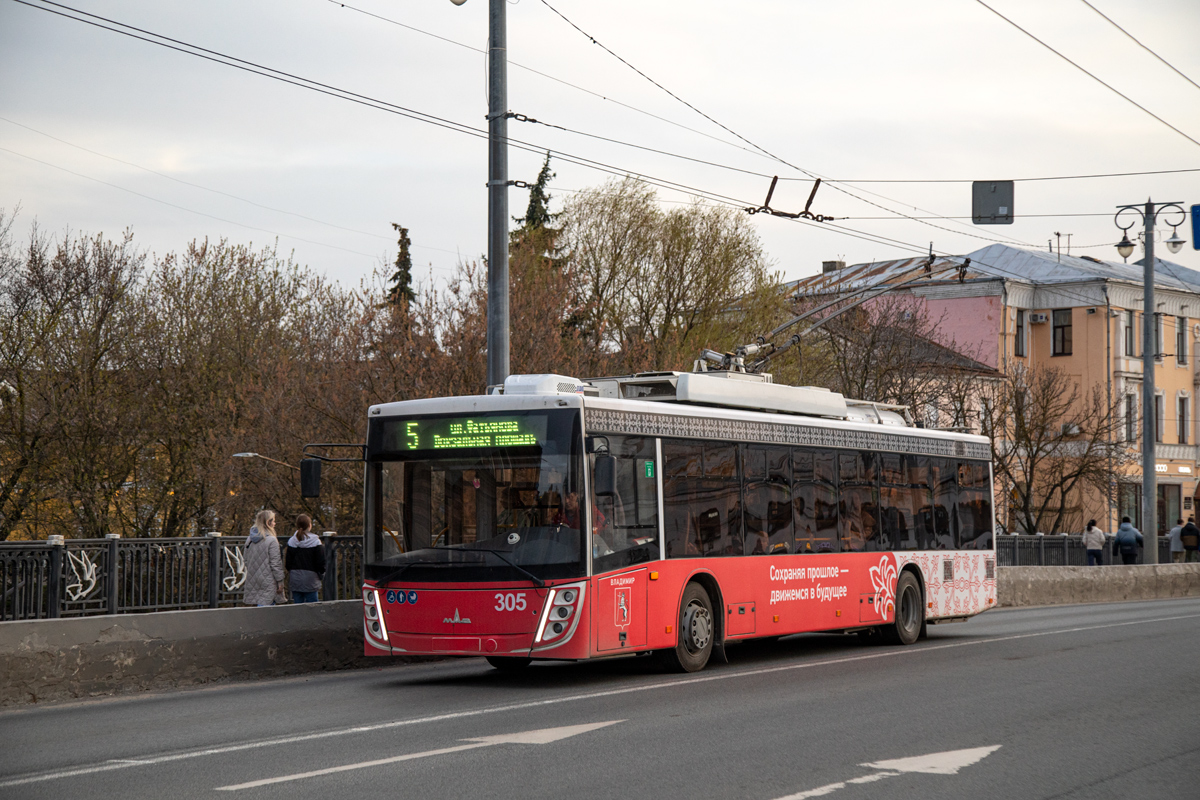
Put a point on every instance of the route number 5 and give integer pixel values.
(510, 602)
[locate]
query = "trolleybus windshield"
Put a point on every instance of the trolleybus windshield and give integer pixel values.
(478, 497)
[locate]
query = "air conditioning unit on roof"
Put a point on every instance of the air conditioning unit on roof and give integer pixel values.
(1037, 318)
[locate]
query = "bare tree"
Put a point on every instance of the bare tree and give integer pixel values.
(1050, 443)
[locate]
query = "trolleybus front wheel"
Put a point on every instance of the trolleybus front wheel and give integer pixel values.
(910, 613)
(697, 630)
(509, 663)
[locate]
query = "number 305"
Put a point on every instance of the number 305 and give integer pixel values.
(510, 601)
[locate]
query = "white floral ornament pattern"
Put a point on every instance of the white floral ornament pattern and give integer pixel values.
(883, 579)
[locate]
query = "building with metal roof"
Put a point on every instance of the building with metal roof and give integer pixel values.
(1007, 306)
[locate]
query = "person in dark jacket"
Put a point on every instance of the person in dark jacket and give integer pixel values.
(1190, 537)
(1127, 542)
(305, 562)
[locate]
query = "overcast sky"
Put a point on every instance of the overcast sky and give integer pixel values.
(850, 90)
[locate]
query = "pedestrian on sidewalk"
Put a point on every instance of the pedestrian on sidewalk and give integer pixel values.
(264, 567)
(1190, 536)
(1093, 542)
(305, 562)
(1176, 540)
(1128, 540)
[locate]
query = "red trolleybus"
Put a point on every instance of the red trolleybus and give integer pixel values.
(668, 513)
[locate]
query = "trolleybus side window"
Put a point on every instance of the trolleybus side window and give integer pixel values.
(814, 499)
(768, 499)
(974, 506)
(858, 501)
(897, 502)
(943, 478)
(625, 510)
(702, 499)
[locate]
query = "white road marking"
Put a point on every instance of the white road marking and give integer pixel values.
(947, 763)
(542, 736)
(671, 684)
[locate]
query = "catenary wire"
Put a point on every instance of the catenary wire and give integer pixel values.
(550, 77)
(370, 102)
(381, 105)
(755, 151)
(191, 184)
(1139, 44)
(809, 173)
(1014, 180)
(1091, 75)
(185, 208)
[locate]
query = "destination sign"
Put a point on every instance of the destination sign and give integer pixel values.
(456, 433)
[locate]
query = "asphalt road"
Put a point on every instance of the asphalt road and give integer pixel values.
(1099, 701)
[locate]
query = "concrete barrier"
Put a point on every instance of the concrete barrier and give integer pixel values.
(1044, 586)
(43, 660)
(62, 659)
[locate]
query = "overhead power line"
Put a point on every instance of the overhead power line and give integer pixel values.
(1016, 180)
(753, 150)
(809, 173)
(1139, 44)
(1091, 75)
(185, 208)
(548, 76)
(365, 100)
(194, 185)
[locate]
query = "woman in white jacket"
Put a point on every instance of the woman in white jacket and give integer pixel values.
(1093, 542)
(264, 567)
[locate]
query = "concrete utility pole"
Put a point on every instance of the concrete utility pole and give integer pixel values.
(497, 330)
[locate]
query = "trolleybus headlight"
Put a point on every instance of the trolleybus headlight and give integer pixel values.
(565, 597)
(372, 611)
(369, 596)
(557, 627)
(561, 612)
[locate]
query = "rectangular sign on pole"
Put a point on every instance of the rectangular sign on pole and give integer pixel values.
(1196, 227)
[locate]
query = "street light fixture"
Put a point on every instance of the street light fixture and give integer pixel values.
(1149, 215)
(265, 458)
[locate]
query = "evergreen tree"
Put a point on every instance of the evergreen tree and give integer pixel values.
(400, 287)
(537, 214)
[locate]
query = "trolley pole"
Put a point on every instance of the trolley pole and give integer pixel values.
(497, 323)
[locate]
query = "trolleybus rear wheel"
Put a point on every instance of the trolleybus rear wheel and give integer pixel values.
(697, 629)
(910, 616)
(509, 663)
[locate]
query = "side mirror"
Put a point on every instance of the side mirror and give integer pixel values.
(310, 477)
(605, 476)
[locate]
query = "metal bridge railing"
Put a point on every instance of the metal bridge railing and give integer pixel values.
(1061, 551)
(80, 577)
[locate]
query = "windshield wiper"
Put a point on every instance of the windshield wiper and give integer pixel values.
(541, 584)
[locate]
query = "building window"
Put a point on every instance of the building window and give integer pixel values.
(1019, 340)
(1181, 354)
(1130, 334)
(1062, 332)
(1181, 419)
(1159, 414)
(1131, 421)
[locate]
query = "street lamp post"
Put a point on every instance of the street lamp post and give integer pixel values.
(497, 324)
(1150, 354)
